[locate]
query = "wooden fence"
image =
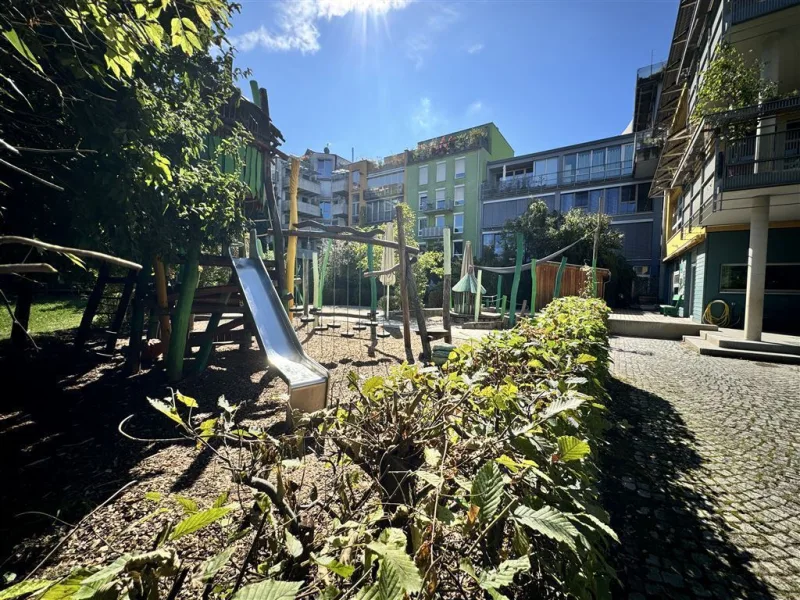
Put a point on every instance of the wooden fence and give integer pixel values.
(572, 284)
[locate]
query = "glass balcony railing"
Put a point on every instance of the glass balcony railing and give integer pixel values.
(436, 206)
(744, 10)
(384, 191)
(431, 232)
(761, 161)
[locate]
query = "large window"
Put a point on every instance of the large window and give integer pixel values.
(492, 242)
(461, 168)
(439, 222)
(423, 200)
(423, 175)
(324, 167)
(545, 172)
(441, 171)
(458, 198)
(422, 224)
(375, 181)
(601, 163)
(570, 164)
(458, 247)
(781, 278)
(356, 178)
(621, 200)
(458, 223)
(440, 198)
(584, 160)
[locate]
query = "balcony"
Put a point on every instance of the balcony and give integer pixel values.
(778, 161)
(339, 186)
(647, 139)
(453, 143)
(770, 108)
(385, 191)
(437, 206)
(303, 209)
(339, 209)
(431, 232)
(307, 182)
(744, 10)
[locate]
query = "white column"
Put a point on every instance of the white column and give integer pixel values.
(756, 268)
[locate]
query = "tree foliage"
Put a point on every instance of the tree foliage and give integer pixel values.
(114, 103)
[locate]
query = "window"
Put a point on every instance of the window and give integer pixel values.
(584, 160)
(781, 278)
(440, 198)
(324, 167)
(376, 181)
(439, 222)
(642, 270)
(612, 201)
(567, 202)
(458, 247)
(613, 161)
(422, 224)
(423, 175)
(423, 200)
(492, 243)
(458, 222)
(643, 202)
(459, 195)
(627, 159)
(582, 200)
(355, 199)
(594, 200)
(461, 168)
(598, 163)
(545, 172)
(356, 178)
(570, 164)
(441, 171)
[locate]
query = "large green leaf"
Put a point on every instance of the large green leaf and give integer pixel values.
(571, 448)
(198, 521)
(604, 527)
(214, 565)
(389, 587)
(487, 490)
(166, 409)
(293, 546)
(503, 575)
(269, 590)
(21, 47)
(397, 564)
(66, 588)
(549, 522)
(560, 405)
(334, 566)
(189, 505)
(24, 587)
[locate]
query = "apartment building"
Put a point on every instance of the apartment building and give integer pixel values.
(443, 182)
(731, 177)
(612, 174)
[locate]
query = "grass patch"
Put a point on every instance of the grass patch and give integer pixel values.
(47, 316)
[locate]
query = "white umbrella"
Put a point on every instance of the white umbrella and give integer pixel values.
(467, 265)
(387, 262)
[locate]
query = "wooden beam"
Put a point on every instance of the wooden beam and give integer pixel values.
(323, 235)
(404, 291)
(16, 239)
(446, 285)
(26, 268)
(368, 274)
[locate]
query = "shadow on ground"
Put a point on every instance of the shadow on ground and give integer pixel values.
(61, 452)
(672, 543)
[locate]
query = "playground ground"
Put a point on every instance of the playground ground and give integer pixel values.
(61, 447)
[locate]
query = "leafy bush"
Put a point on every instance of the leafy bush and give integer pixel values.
(475, 480)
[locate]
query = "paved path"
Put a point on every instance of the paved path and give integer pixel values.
(703, 474)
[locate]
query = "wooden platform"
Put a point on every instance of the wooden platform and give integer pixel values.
(637, 323)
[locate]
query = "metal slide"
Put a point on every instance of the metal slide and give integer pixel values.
(307, 379)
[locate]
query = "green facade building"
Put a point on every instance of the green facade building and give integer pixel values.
(443, 183)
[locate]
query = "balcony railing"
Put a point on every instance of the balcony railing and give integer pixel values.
(303, 208)
(339, 208)
(647, 139)
(431, 232)
(744, 10)
(461, 141)
(769, 108)
(339, 185)
(436, 206)
(385, 191)
(761, 161)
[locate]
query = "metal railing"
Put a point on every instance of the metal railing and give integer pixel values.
(761, 161)
(436, 206)
(647, 139)
(756, 111)
(431, 232)
(744, 10)
(384, 191)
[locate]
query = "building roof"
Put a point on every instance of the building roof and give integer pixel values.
(625, 137)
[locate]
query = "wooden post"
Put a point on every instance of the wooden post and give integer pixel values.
(499, 296)
(134, 351)
(305, 287)
(161, 299)
(446, 284)
(503, 310)
(122, 308)
(559, 276)
(91, 307)
(533, 287)
(596, 246)
(22, 315)
(373, 301)
(512, 309)
(404, 291)
(291, 251)
(478, 297)
(190, 273)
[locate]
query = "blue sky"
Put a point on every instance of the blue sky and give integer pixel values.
(381, 75)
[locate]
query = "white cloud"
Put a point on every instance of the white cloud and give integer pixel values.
(419, 45)
(475, 48)
(297, 23)
(475, 108)
(425, 119)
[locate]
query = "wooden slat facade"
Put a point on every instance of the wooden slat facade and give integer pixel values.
(572, 284)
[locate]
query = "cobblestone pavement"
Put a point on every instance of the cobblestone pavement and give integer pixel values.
(702, 474)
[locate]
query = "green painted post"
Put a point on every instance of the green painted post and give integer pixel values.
(502, 310)
(323, 272)
(478, 297)
(499, 292)
(315, 266)
(559, 277)
(512, 309)
(594, 278)
(373, 284)
(190, 273)
(533, 287)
